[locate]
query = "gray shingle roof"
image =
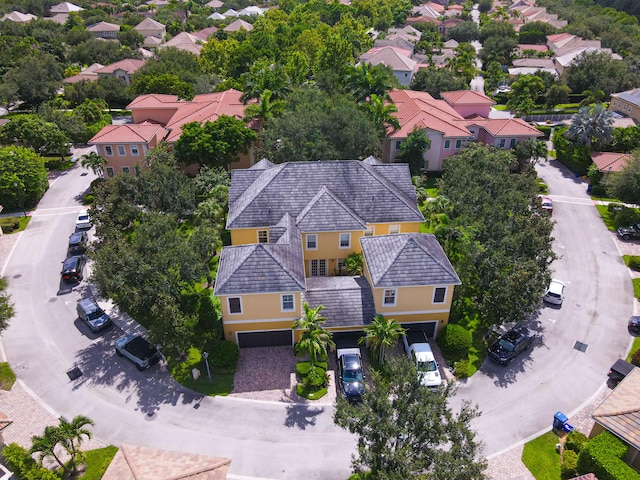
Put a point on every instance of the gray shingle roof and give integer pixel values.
(631, 96)
(326, 213)
(263, 267)
(366, 189)
(409, 259)
(348, 301)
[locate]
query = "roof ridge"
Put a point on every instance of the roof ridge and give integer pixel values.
(132, 466)
(424, 248)
(390, 186)
(621, 412)
(326, 191)
(395, 257)
(278, 259)
(248, 248)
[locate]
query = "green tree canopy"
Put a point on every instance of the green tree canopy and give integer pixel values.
(412, 150)
(598, 71)
(626, 184)
(437, 80)
(214, 143)
(405, 430)
(34, 132)
(23, 177)
(36, 78)
(381, 333)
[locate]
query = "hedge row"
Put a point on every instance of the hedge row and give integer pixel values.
(602, 456)
(9, 224)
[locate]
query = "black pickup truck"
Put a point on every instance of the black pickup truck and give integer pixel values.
(619, 370)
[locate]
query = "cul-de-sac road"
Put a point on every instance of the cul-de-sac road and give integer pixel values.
(270, 440)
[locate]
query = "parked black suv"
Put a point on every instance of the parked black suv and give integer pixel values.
(78, 243)
(632, 231)
(619, 370)
(350, 374)
(91, 313)
(72, 268)
(510, 345)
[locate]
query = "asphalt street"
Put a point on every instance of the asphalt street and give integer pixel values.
(269, 440)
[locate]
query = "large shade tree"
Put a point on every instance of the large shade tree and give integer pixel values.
(405, 430)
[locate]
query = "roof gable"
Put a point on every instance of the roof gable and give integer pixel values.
(610, 161)
(505, 127)
(410, 259)
(395, 58)
(104, 27)
(149, 23)
(130, 133)
(466, 97)
(326, 213)
(129, 65)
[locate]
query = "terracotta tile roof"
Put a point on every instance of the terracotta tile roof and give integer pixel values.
(205, 33)
(19, 17)
(133, 462)
(421, 110)
(505, 127)
(4, 421)
(238, 25)
(131, 133)
(148, 23)
(104, 27)
(537, 48)
(435, 6)
(466, 97)
(619, 413)
(395, 58)
(181, 38)
(610, 161)
(88, 73)
(129, 65)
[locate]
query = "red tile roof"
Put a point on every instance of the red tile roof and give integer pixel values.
(129, 65)
(466, 97)
(505, 127)
(610, 161)
(529, 46)
(131, 133)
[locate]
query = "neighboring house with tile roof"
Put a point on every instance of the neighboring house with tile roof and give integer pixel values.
(185, 41)
(88, 74)
(106, 30)
(123, 69)
(610, 162)
(619, 414)
(214, 4)
(65, 7)
(292, 227)
(399, 60)
(626, 103)
(151, 28)
(133, 462)
(449, 124)
(238, 25)
(205, 33)
(167, 114)
(18, 17)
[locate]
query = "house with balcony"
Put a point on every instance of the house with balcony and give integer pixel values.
(450, 124)
(292, 227)
(159, 117)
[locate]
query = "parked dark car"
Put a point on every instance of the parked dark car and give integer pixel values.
(78, 243)
(350, 374)
(619, 370)
(72, 268)
(627, 233)
(90, 312)
(634, 326)
(510, 345)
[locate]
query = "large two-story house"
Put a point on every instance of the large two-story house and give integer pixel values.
(292, 227)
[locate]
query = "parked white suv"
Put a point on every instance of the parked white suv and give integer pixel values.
(555, 292)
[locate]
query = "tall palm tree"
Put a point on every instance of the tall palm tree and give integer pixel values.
(315, 343)
(363, 81)
(591, 97)
(592, 125)
(94, 162)
(311, 320)
(381, 114)
(268, 107)
(381, 333)
(71, 435)
(45, 446)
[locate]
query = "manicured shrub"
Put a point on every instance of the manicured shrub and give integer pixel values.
(23, 465)
(634, 262)
(303, 369)
(317, 378)
(455, 341)
(546, 129)
(9, 224)
(569, 463)
(599, 190)
(622, 216)
(225, 355)
(462, 368)
(602, 456)
(87, 199)
(575, 441)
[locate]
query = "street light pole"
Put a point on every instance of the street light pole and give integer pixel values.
(205, 355)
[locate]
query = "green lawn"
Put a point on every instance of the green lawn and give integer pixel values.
(540, 457)
(634, 348)
(604, 213)
(7, 377)
(221, 382)
(636, 288)
(98, 461)
(500, 107)
(432, 187)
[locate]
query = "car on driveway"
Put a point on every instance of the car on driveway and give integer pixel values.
(78, 243)
(350, 374)
(627, 233)
(138, 350)
(72, 268)
(510, 345)
(83, 221)
(90, 313)
(555, 292)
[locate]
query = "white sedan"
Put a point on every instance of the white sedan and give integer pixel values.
(555, 292)
(83, 221)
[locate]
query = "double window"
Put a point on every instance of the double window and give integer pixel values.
(458, 144)
(318, 268)
(126, 170)
(134, 150)
(503, 141)
(512, 143)
(110, 172)
(394, 229)
(368, 232)
(447, 144)
(121, 150)
(108, 150)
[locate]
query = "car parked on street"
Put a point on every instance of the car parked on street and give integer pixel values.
(83, 221)
(546, 203)
(633, 326)
(555, 292)
(627, 233)
(90, 313)
(72, 268)
(78, 243)
(138, 350)
(619, 370)
(350, 374)
(510, 345)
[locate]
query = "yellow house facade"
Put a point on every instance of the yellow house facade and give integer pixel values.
(292, 228)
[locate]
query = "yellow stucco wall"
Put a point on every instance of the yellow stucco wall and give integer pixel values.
(245, 236)
(412, 299)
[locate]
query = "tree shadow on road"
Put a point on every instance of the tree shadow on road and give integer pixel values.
(302, 416)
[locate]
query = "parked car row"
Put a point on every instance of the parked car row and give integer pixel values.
(73, 265)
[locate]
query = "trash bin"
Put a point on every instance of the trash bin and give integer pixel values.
(567, 428)
(559, 419)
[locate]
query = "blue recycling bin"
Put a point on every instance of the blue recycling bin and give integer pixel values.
(559, 420)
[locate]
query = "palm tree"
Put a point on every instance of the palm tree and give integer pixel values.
(381, 114)
(591, 97)
(364, 80)
(71, 434)
(354, 264)
(591, 125)
(380, 333)
(45, 445)
(94, 162)
(311, 320)
(268, 107)
(315, 343)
